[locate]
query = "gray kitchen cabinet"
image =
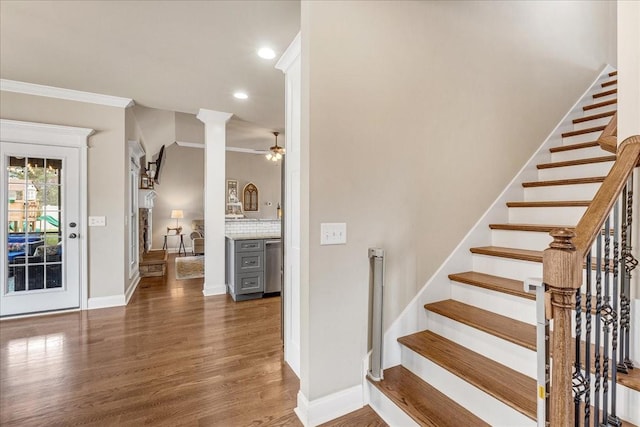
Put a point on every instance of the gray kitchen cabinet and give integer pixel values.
(245, 271)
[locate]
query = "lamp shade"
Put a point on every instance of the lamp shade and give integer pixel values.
(176, 214)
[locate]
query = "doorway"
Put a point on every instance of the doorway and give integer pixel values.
(41, 228)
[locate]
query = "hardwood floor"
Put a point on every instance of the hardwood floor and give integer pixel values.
(170, 357)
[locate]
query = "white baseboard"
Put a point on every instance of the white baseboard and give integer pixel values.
(105, 302)
(328, 407)
(132, 287)
(209, 290)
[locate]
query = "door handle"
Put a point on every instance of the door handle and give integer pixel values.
(73, 235)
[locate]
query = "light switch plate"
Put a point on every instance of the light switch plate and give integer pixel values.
(97, 221)
(333, 233)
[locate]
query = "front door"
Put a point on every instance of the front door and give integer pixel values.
(41, 212)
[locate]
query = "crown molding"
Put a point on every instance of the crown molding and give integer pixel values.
(290, 55)
(61, 93)
(190, 144)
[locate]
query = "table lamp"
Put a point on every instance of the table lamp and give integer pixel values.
(176, 214)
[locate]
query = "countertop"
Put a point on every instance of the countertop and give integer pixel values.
(252, 236)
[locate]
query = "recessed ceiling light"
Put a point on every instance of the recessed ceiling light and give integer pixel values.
(266, 53)
(240, 95)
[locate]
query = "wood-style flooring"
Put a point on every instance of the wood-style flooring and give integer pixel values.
(171, 357)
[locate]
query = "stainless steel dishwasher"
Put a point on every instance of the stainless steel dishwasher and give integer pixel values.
(273, 267)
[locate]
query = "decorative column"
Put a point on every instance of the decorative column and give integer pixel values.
(214, 200)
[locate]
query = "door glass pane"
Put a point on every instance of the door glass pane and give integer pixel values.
(34, 234)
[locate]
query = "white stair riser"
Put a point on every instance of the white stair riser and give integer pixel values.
(581, 153)
(563, 215)
(513, 268)
(585, 137)
(561, 192)
(516, 307)
(504, 352)
(473, 399)
(603, 121)
(387, 410)
(606, 97)
(610, 107)
(517, 239)
(576, 171)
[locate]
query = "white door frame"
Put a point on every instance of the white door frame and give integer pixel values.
(290, 65)
(61, 136)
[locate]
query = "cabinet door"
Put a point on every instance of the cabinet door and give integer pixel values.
(249, 283)
(247, 262)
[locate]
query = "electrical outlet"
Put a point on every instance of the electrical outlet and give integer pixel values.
(97, 221)
(333, 233)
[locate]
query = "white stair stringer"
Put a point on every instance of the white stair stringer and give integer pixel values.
(470, 397)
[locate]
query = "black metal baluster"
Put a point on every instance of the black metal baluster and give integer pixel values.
(577, 379)
(613, 419)
(598, 367)
(606, 318)
(621, 367)
(630, 263)
(587, 350)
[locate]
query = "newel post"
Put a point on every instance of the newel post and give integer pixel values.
(562, 272)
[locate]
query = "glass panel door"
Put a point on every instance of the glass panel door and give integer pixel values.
(41, 266)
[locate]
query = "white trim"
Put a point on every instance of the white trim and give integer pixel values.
(132, 288)
(190, 144)
(136, 151)
(437, 287)
(290, 55)
(329, 407)
(208, 291)
(247, 150)
(212, 116)
(61, 93)
(44, 134)
(64, 136)
(106, 302)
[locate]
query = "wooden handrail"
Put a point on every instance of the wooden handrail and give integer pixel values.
(608, 139)
(562, 272)
(591, 223)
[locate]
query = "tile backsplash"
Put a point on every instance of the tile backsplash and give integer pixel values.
(238, 226)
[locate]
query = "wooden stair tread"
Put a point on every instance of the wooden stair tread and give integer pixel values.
(583, 131)
(578, 146)
(613, 73)
(512, 253)
(494, 283)
(542, 228)
(587, 161)
(594, 117)
(600, 104)
(610, 83)
(504, 327)
(505, 384)
(423, 402)
(550, 204)
(605, 93)
(573, 181)
(514, 331)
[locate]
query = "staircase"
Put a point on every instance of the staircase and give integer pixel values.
(475, 364)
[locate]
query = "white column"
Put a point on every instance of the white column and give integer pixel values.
(214, 199)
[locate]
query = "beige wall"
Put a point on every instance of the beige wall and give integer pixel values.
(181, 187)
(107, 189)
(245, 168)
(415, 116)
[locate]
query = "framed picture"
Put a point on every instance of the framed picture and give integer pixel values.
(250, 198)
(144, 181)
(232, 191)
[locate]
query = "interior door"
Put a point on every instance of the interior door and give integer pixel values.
(41, 214)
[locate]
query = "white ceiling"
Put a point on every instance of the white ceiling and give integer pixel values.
(170, 55)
